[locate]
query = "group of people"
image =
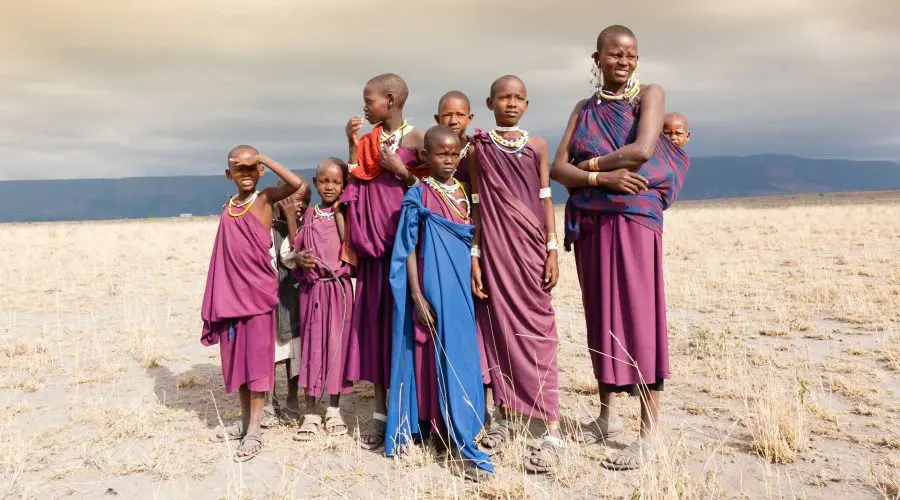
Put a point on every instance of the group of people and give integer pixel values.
(452, 242)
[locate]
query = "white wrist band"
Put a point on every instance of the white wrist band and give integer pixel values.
(476, 251)
(476, 199)
(351, 166)
(552, 245)
(545, 193)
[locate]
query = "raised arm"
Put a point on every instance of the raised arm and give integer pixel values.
(354, 125)
(650, 125)
(571, 176)
(293, 182)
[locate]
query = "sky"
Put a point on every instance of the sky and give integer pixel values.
(123, 88)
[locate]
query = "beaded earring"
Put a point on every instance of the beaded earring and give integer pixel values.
(596, 77)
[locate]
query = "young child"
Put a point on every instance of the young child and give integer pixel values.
(382, 166)
(455, 111)
(241, 293)
(435, 369)
(288, 216)
(330, 350)
(675, 127)
(514, 217)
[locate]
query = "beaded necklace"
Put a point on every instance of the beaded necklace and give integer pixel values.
(391, 142)
(319, 214)
(632, 88)
(510, 146)
(446, 191)
(246, 204)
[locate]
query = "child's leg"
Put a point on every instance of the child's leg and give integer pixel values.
(334, 422)
(310, 405)
(649, 412)
(373, 436)
(292, 386)
(252, 403)
(245, 406)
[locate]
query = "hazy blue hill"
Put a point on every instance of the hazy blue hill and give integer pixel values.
(710, 177)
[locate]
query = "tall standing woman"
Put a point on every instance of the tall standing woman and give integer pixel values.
(622, 173)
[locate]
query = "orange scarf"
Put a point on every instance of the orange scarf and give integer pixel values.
(369, 158)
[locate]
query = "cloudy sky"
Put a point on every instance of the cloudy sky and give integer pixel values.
(119, 88)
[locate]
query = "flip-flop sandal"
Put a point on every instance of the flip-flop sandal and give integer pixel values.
(233, 432)
(250, 447)
(633, 457)
(375, 429)
(269, 417)
(548, 453)
(334, 423)
(310, 429)
(491, 442)
(465, 467)
(593, 433)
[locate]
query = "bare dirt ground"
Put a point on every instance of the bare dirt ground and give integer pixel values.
(785, 341)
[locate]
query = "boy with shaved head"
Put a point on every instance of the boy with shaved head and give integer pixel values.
(382, 167)
(241, 293)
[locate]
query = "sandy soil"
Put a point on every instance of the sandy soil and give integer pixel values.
(785, 340)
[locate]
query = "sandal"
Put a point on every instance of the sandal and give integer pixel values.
(498, 434)
(269, 417)
(545, 458)
(251, 446)
(635, 456)
(466, 467)
(597, 431)
(334, 423)
(373, 436)
(233, 432)
(310, 429)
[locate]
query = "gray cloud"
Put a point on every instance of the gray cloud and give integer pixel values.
(166, 87)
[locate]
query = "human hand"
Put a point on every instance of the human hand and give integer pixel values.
(624, 180)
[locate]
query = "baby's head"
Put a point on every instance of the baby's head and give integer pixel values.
(442, 147)
(675, 127)
(243, 168)
(383, 94)
(330, 179)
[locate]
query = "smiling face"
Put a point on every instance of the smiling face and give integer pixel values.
(329, 182)
(454, 112)
(376, 103)
(442, 155)
(245, 177)
(617, 58)
(508, 101)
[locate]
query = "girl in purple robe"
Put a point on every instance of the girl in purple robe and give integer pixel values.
(622, 173)
(329, 350)
(382, 165)
(238, 310)
(514, 267)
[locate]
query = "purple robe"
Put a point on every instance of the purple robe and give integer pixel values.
(517, 320)
(329, 353)
(373, 212)
(619, 252)
(238, 309)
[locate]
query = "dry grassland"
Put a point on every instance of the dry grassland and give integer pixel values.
(785, 340)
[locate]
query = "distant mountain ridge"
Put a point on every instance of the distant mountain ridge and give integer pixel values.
(139, 197)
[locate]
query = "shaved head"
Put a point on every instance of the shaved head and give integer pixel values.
(504, 79)
(455, 94)
(439, 133)
(332, 162)
(393, 84)
(613, 31)
(676, 117)
(241, 151)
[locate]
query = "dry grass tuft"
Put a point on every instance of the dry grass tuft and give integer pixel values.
(777, 419)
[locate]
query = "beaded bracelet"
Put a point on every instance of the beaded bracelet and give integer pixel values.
(476, 199)
(545, 193)
(475, 252)
(552, 245)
